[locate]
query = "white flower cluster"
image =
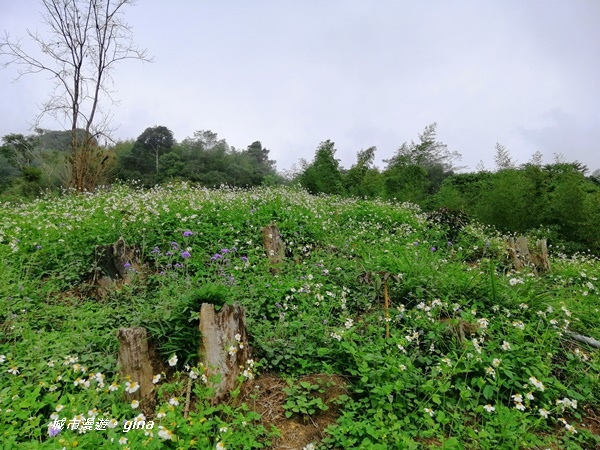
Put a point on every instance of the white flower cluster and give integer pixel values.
(239, 345)
(570, 428)
(247, 373)
(515, 281)
(537, 383)
(566, 403)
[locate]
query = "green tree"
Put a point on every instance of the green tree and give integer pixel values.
(504, 201)
(430, 155)
(407, 183)
(502, 158)
(8, 173)
(323, 174)
(19, 150)
(425, 153)
(155, 142)
(171, 167)
(595, 177)
(39, 158)
(566, 200)
(262, 166)
(362, 179)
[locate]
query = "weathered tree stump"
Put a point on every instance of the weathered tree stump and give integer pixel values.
(115, 263)
(521, 257)
(274, 245)
(224, 350)
(136, 364)
(540, 257)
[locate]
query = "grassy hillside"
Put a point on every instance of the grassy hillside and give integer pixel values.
(477, 355)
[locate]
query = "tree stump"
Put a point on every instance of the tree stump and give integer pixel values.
(518, 251)
(224, 350)
(136, 363)
(115, 263)
(521, 257)
(540, 257)
(274, 245)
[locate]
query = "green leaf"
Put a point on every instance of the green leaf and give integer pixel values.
(488, 391)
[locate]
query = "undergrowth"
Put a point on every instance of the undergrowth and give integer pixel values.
(477, 356)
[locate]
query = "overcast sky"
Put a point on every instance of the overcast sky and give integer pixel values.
(293, 73)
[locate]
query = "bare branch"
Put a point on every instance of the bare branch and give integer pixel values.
(85, 40)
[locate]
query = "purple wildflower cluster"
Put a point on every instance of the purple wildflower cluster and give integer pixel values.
(223, 259)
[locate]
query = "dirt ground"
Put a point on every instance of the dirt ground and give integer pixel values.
(266, 396)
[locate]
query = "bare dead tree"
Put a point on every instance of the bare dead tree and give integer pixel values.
(84, 42)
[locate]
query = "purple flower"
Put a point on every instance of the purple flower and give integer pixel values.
(169, 254)
(38, 247)
(187, 233)
(234, 249)
(244, 258)
(178, 266)
(225, 250)
(186, 255)
(416, 243)
(175, 245)
(278, 305)
(53, 431)
(156, 250)
(216, 256)
(433, 249)
(127, 265)
(449, 242)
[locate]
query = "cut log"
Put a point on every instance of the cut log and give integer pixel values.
(136, 363)
(224, 350)
(274, 245)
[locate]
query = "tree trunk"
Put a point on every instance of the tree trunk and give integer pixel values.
(224, 350)
(136, 364)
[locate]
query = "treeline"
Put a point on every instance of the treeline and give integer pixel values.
(34, 163)
(559, 200)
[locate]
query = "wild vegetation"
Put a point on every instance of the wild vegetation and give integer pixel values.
(559, 201)
(468, 353)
